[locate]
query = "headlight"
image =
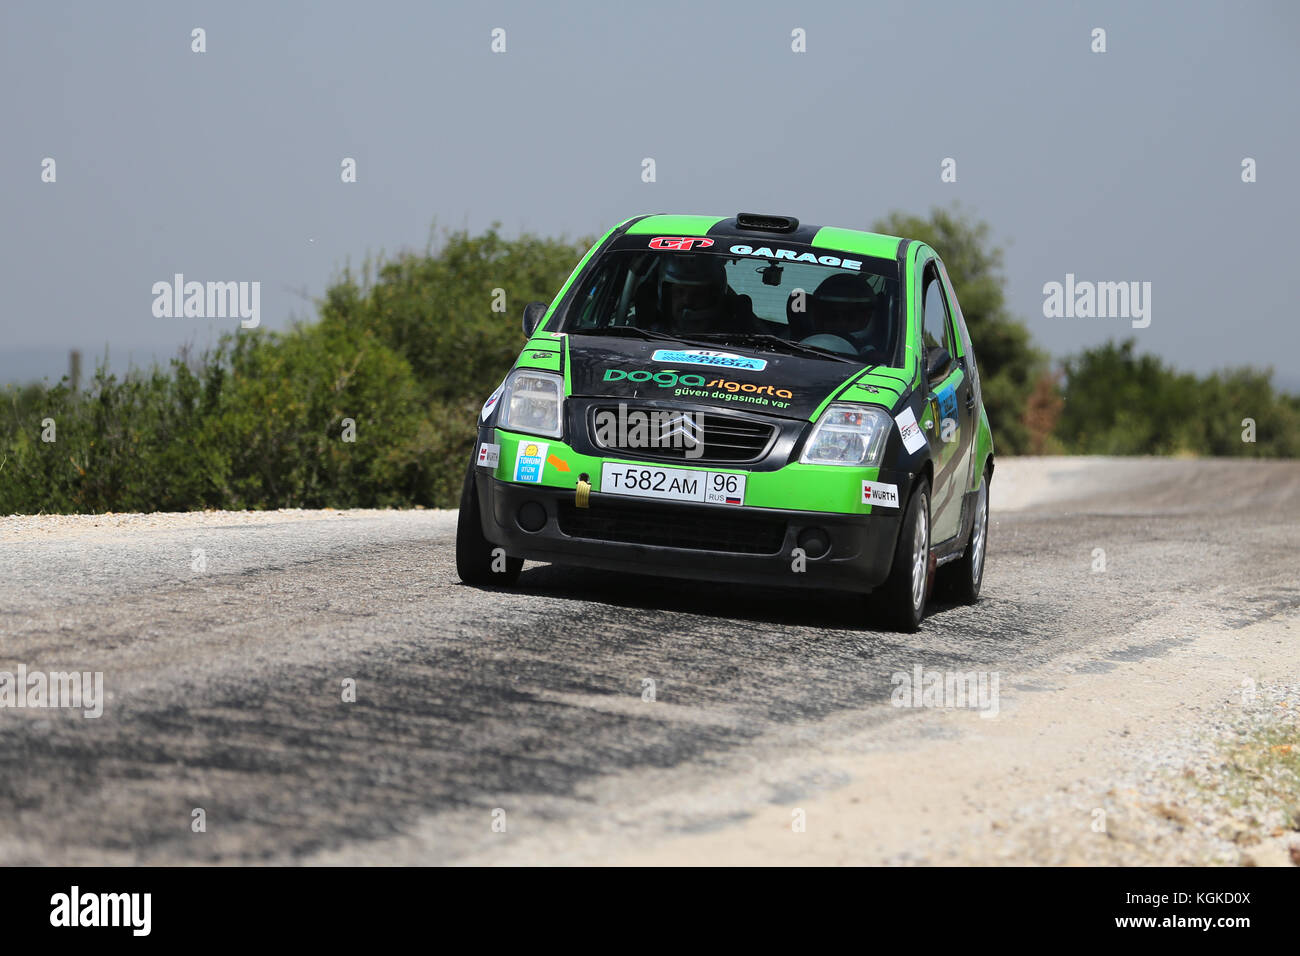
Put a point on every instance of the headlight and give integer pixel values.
(848, 435)
(531, 403)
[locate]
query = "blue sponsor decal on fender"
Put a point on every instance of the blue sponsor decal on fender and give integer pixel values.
(530, 459)
(712, 359)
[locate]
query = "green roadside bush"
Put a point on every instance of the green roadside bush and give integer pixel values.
(258, 423)
(374, 405)
(1117, 402)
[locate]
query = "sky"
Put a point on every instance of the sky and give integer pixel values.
(225, 165)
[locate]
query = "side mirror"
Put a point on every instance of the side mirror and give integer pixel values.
(937, 360)
(533, 313)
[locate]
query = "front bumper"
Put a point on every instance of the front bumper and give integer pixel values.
(689, 540)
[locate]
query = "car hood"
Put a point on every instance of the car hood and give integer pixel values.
(772, 383)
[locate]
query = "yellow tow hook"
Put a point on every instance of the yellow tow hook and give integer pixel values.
(582, 497)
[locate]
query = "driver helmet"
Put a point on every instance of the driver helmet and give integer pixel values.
(844, 305)
(692, 292)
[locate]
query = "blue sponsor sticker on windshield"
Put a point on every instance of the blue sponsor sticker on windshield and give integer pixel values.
(712, 359)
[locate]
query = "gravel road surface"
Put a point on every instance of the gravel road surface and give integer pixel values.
(1136, 613)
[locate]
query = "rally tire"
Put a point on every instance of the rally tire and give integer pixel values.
(901, 601)
(962, 579)
(474, 557)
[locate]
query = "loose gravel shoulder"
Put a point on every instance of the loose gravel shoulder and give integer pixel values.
(26, 527)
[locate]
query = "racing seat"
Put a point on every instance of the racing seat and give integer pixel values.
(801, 323)
(646, 303)
(873, 341)
(740, 308)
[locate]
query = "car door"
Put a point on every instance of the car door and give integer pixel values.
(946, 419)
(972, 399)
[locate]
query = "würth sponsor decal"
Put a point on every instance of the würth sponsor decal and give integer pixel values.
(76, 908)
(879, 495)
(489, 455)
(211, 300)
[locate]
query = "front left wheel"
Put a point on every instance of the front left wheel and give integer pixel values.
(478, 560)
(962, 578)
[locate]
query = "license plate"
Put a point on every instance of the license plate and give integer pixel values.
(675, 484)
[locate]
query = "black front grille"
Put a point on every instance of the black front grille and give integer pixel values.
(729, 438)
(674, 527)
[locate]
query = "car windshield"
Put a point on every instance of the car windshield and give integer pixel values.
(828, 304)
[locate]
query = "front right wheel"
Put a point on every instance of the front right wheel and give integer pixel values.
(478, 561)
(902, 597)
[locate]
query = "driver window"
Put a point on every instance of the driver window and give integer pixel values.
(935, 326)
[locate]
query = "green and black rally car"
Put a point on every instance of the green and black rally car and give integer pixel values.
(745, 399)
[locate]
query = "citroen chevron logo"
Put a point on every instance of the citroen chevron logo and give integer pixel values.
(657, 429)
(690, 432)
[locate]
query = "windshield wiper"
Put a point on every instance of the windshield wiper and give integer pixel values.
(710, 339)
(766, 339)
(625, 330)
(643, 333)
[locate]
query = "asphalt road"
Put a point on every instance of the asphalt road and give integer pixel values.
(224, 671)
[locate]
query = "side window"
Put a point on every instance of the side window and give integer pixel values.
(968, 351)
(934, 325)
(600, 303)
(585, 308)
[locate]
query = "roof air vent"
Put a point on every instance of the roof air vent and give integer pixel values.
(760, 222)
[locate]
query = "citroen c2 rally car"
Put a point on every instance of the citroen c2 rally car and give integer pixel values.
(745, 399)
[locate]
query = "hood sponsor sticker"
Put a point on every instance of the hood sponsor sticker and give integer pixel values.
(879, 495)
(489, 455)
(910, 431)
(491, 403)
(530, 459)
(694, 386)
(705, 357)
